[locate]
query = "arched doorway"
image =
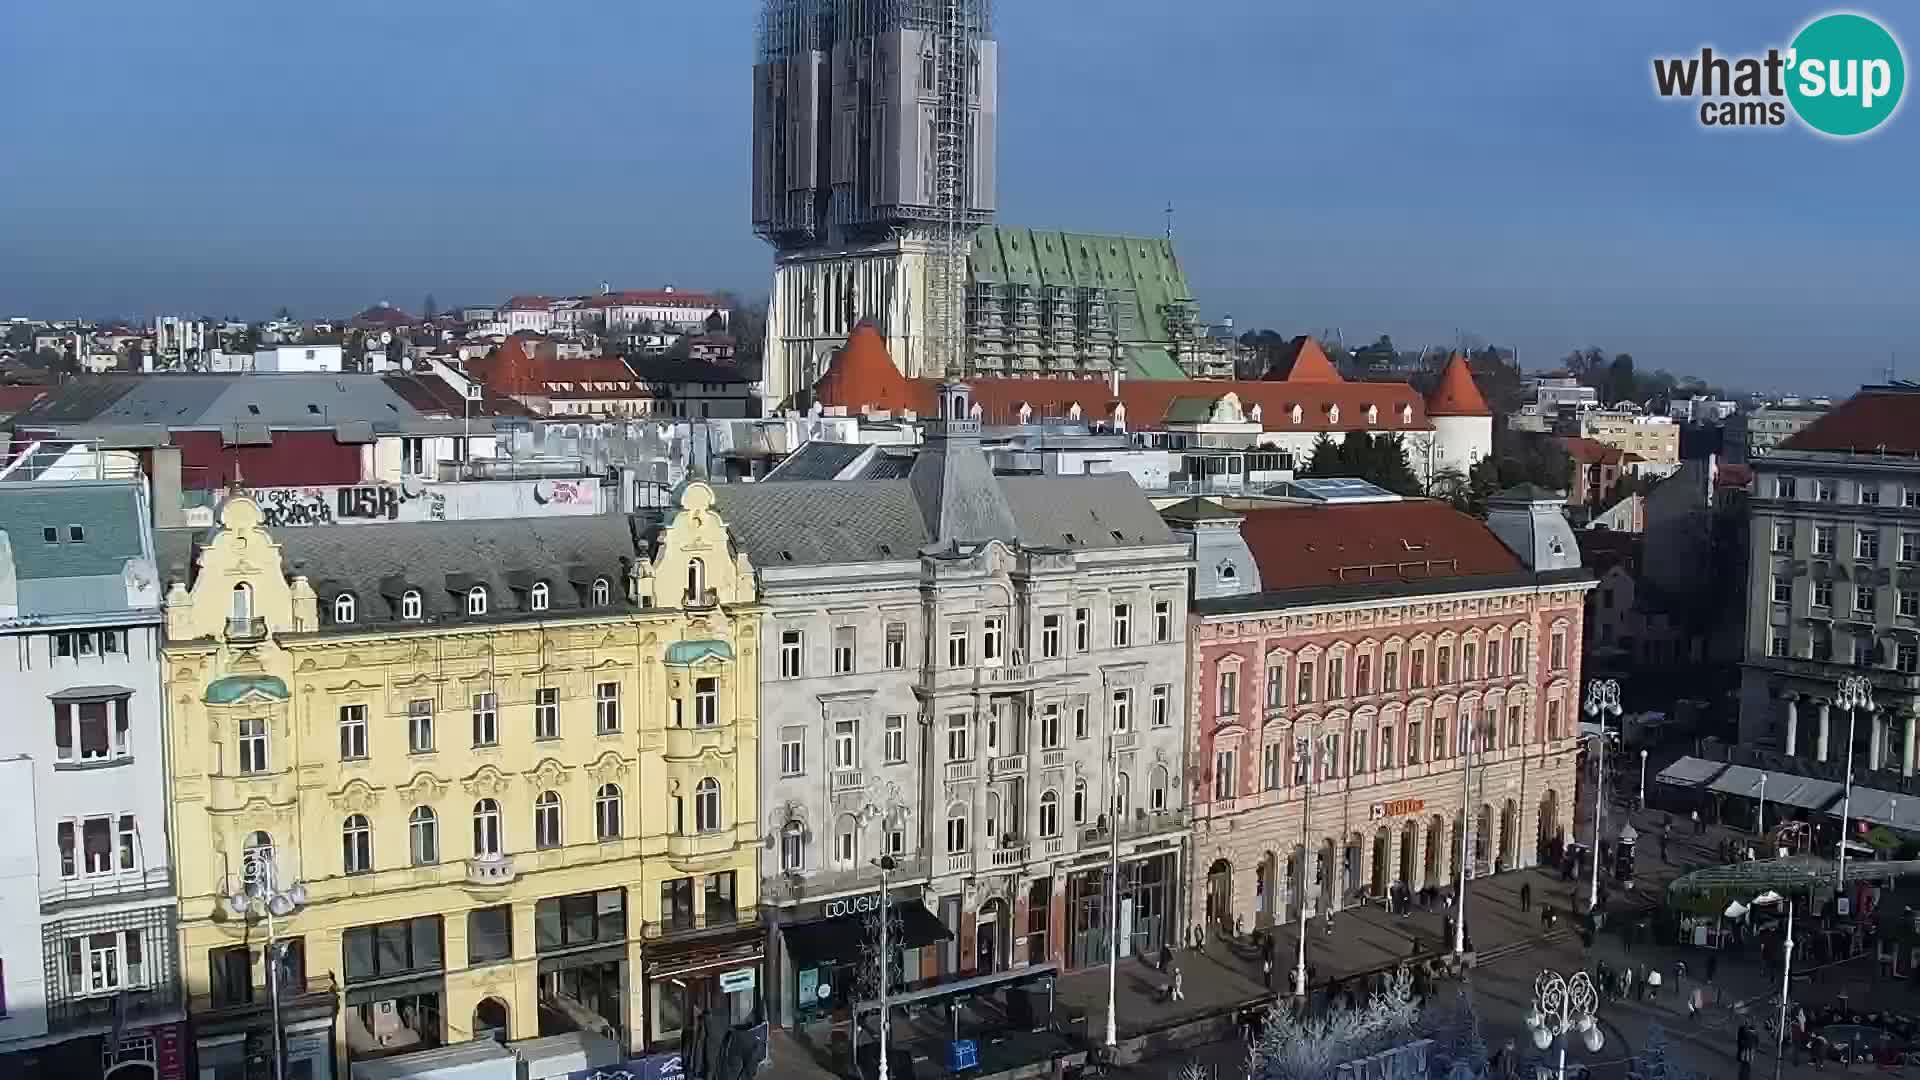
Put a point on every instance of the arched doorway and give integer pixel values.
(1509, 836)
(1454, 851)
(989, 937)
(1349, 871)
(1436, 851)
(1220, 894)
(1549, 826)
(1262, 891)
(490, 1020)
(1409, 845)
(1382, 861)
(1326, 880)
(1482, 839)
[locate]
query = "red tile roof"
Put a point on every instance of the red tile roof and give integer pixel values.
(656, 298)
(1587, 451)
(528, 303)
(1306, 361)
(1411, 540)
(1456, 394)
(863, 376)
(1733, 476)
(382, 315)
(527, 366)
(15, 398)
(1877, 419)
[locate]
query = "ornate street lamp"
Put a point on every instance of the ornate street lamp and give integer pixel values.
(260, 896)
(1856, 693)
(1563, 1005)
(1603, 700)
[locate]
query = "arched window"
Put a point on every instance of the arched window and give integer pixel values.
(410, 604)
(1225, 574)
(486, 829)
(537, 596)
(242, 602)
(477, 600)
(343, 608)
(1050, 813)
(256, 855)
(956, 829)
(546, 820)
(423, 834)
(696, 580)
(606, 812)
(1157, 789)
(356, 837)
(706, 805)
(1079, 802)
(602, 592)
(792, 847)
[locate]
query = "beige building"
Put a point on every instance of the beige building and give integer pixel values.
(1655, 438)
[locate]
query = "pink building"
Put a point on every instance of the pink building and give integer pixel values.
(1373, 632)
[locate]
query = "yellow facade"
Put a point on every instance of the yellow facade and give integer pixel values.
(247, 647)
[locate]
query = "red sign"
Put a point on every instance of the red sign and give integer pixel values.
(1398, 808)
(171, 1063)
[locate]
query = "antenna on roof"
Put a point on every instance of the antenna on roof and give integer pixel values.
(1169, 219)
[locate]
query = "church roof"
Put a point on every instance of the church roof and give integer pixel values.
(1305, 362)
(1456, 395)
(863, 375)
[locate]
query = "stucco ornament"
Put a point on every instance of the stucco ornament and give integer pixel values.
(424, 787)
(356, 797)
(487, 781)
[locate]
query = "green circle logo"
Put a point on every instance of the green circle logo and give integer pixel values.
(1846, 74)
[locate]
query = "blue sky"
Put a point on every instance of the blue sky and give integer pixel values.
(1398, 167)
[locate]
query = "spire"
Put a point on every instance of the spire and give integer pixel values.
(958, 494)
(862, 375)
(1456, 394)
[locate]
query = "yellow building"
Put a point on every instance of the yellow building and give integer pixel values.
(502, 775)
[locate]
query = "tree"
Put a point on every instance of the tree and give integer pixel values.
(1325, 457)
(1450, 484)
(1296, 1047)
(1620, 384)
(1455, 1030)
(1652, 1063)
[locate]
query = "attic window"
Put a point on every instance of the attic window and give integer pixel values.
(477, 600)
(50, 534)
(1117, 536)
(76, 534)
(254, 409)
(1225, 574)
(601, 592)
(1070, 538)
(538, 596)
(786, 556)
(886, 549)
(410, 604)
(312, 408)
(343, 608)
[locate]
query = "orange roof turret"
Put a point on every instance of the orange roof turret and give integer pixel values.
(1456, 394)
(1307, 363)
(862, 375)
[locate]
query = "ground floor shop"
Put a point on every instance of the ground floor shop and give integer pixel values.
(823, 951)
(695, 981)
(1260, 865)
(153, 1052)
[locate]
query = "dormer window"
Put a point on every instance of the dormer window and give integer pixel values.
(343, 608)
(477, 600)
(537, 597)
(1297, 413)
(696, 580)
(1373, 414)
(1333, 414)
(1406, 414)
(1225, 574)
(410, 604)
(602, 593)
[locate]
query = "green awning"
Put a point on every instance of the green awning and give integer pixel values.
(684, 653)
(234, 687)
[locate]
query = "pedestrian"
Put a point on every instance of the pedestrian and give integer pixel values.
(1663, 847)
(1697, 827)
(1653, 983)
(1266, 971)
(1166, 957)
(1179, 987)
(1526, 896)
(1713, 964)
(1626, 981)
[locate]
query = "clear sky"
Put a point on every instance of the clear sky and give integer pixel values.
(1395, 166)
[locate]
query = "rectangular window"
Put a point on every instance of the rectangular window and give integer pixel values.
(546, 713)
(1553, 718)
(1866, 544)
(96, 730)
(1122, 625)
(1823, 539)
(1470, 660)
(253, 744)
(792, 753)
(791, 642)
(606, 708)
(353, 732)
(1050, 725)
(1333, 757)
(1080, 726)
(1443, 665)
(1907, 657)
(1163, 620)
(1783, 487)
(1823, 490)
(1303, 682)
(490, 935)
(956, 644)
(1863, 598)
(1272, 758)
(993, 630)
(591, 918)
(1336, 677)
(846, 743)
(896, 646)
(1439, 738)
(1386, 746)
(1493, 659)
(1778, 643)
(1223, 774)
(1359, 764)
(1418, 676)
(1390, 672)
(1414, 728)
(1557, 654)
(1783, 537)
(1782, 589)
(1122, 711)
(1228, 700)
(1276, 686)
(1513, 725)
(959, 737)
(706, 702)
(843, 650)
(420, 726)
(1910, 497)
(1910, 547)
(1910, 603)
(1049, 636)
(1363, 675)
(486, 720)
(1162, 706)
(1082, 629)
(896, 739)
(1822, 594)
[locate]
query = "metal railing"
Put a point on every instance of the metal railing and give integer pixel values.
(707, 922)
(792, 886)
(238, 629)
(103, 886)
(315, 989)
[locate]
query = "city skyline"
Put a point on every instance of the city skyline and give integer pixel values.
(1512, 176)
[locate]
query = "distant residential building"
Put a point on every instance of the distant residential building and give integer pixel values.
(1597, 467)
(664, 309)
(298, 358)
(1701, 409)
(534, 373)
(1756, 432)
(382, 316)
(528, 314)
(1655, 439)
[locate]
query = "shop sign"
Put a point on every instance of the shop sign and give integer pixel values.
(737, 980)
(1397, 808)
(666, 1066)
(170, 1061)
(850, 905)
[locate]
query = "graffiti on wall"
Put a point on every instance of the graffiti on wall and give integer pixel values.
(283, 507)
(293, 506)
(560, 492)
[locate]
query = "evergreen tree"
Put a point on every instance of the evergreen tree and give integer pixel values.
(1455, 1030)
(1325, 458)
(1293, 1047)
(1651, 1062)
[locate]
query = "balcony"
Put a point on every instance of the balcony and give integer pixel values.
(1053, 759)
(960, 863)
(691, 927)
(845, 780)
(1009, 856)
(1126, 740)
(695, 599)
(246, 629)
(1007, 765)
(958, 771)
(490, 870)
(688, 846)
(1054, 845)
(1831, 671)
(311, 998)
(691, 743)
(129, 885)
(132, 1004)
(832, 882)
(1151, 823)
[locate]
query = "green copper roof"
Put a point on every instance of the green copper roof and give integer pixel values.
(683, 653)
(234, 687)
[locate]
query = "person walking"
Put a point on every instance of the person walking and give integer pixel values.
(1526, 896)
(1713, 965)
(1266, 970)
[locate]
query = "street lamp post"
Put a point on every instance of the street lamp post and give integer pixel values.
(1303, 750)
(259, 894)
(1786, 974)
(1643, 779)
(1603, 700)
(1469, 735)
(885, 863)
(1113, 889)
(1563, 1005)
(1856, 693)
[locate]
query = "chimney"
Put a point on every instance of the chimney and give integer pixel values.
(1113, 383)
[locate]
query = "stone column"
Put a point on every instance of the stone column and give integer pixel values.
(1906, 752)
(1820, 746)
(1876, 732)
(1793, 726)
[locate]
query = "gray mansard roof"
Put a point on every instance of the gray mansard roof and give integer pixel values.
(69, 546)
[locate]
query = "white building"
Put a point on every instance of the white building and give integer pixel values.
(305, 358)
(86, 793)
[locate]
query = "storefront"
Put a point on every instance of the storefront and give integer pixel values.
(703, 976)
(1147, 916)
(142, 1053)
(829, 942)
